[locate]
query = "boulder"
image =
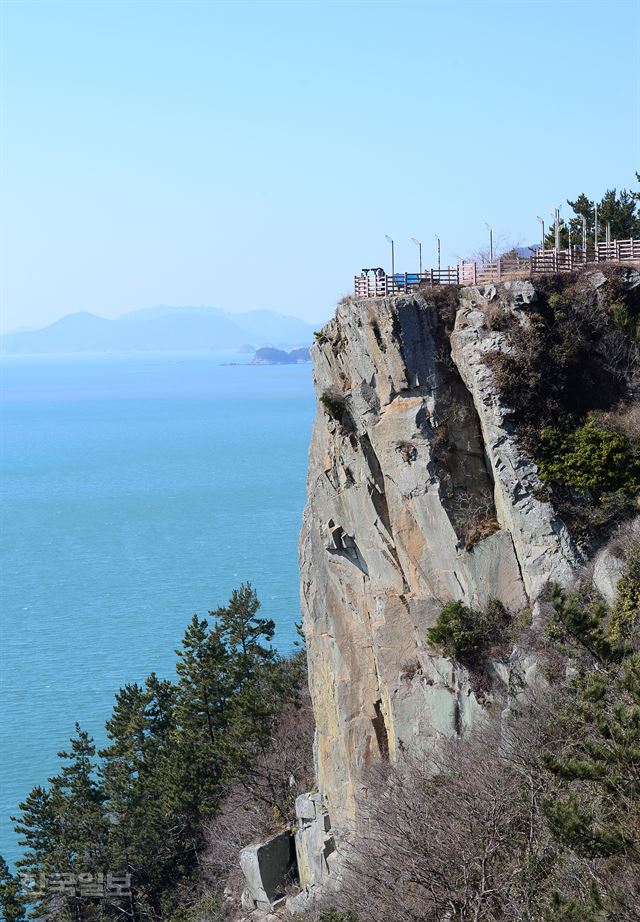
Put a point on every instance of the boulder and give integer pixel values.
(267, 867)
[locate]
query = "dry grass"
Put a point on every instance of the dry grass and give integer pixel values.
(480, 530)
(497, 318)
(625, 419)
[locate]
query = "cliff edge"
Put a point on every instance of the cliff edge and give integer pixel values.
(419, 494)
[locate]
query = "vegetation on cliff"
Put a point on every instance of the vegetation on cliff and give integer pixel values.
(139, 830)
(466, 634)
(572, 383)
(536, 820)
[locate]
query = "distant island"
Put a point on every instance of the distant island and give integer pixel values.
(163, 329)
(270, 356)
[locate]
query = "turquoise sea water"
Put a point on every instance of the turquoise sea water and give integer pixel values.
(135, 492)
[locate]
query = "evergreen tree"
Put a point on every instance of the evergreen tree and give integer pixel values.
(173, 751)
(244, 633)
(196, 767)
(65, 831)
(619, 209)
(136, 831)
(598, 810)
(593, 808)
(12, 902)
(255, 679)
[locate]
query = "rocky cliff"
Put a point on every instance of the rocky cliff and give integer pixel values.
(418, 495)
(433, 545)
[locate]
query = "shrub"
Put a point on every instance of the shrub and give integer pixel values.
(623, 320)
(577, 353)
(590, 459)
(497, 318)
(466, 634)
(625, 614)
(479, 530)
(535, 817)
(570, 378)
(445, 300)
(334, 406)
(625, 419)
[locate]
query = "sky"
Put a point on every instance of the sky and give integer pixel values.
(255, 154)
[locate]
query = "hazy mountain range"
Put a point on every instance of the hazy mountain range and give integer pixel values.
(160, 329)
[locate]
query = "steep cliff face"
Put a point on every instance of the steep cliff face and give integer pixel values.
(418, 495)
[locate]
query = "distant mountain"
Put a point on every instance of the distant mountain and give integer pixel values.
(159, 329)
(271, 356)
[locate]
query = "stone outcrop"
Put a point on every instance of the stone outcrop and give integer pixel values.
(267, 868)
(542, 543)
(418, 495)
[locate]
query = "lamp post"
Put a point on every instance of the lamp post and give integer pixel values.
(556, 218)
(393, 255)
(419, 245)
(597, 229)
(438, 239)
(584, 235)
(490, 229)
(541, 220)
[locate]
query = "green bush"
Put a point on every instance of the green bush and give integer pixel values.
(466, 634)
(334, 406)
(624, 321)
(625, 614)
(590, 459)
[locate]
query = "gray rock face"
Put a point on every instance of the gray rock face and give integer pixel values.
(315, 846)
(544, 548)
(266, 867)
(418, 495)
(607, 570)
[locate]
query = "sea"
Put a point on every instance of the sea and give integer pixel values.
(135, 492)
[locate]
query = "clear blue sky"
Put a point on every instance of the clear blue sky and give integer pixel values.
(254, 154)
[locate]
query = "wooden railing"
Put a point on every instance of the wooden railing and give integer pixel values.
(374, 283)
(566, 260)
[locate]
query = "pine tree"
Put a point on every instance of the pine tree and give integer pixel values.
(65, 829)
(244, 633)
(597, 812)
(12, 901)
(619, 209)
(129, 792)
(196, 766)
(593, 806)
(260, 683)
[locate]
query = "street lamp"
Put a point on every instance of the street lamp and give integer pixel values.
(541, 220)
(490, 229)
(584, 235)
(596, 231)
(393, 254)
(438, 239)
(556, 218)
(419, 245)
